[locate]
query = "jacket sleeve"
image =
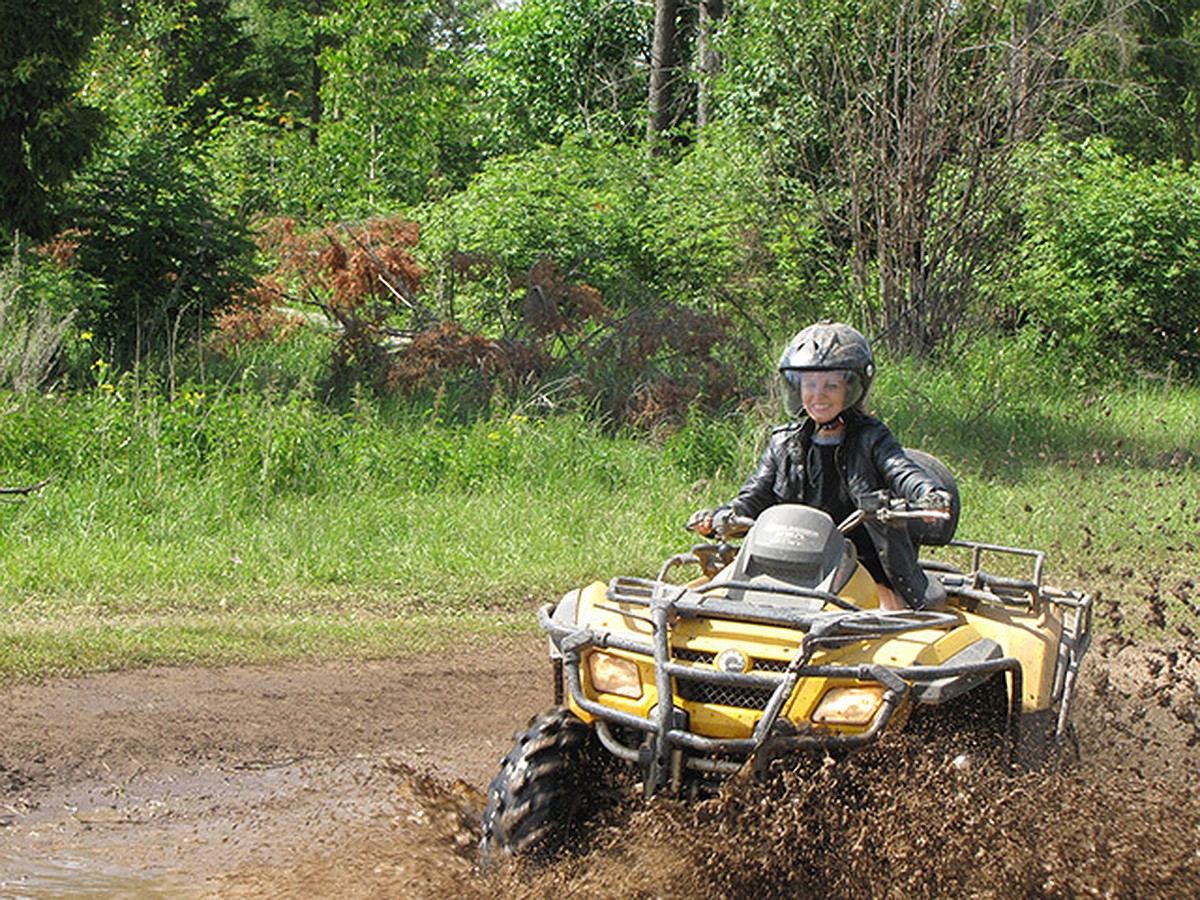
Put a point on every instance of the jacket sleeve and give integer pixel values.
(767, 485)
(903, 477)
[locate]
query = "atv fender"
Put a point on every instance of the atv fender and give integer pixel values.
(941, 690)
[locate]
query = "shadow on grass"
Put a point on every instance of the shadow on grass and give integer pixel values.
(1005, 444)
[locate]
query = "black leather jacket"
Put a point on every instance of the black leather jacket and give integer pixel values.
(870, 459)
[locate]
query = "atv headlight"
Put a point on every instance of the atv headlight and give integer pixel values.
(849, 705)
(614, 675)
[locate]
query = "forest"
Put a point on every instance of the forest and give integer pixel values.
(620, 204)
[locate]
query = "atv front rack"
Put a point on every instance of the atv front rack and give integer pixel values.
(669, 743)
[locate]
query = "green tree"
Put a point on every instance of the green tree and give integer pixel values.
(148, 232)
(578, 204)
(287, 39)
(898, 120)
(204, 52)
(551, 68)
(394, 102)
(199, 61)
(1142, 77)
(45, 131)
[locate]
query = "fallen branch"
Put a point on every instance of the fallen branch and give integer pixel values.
(22, 492)
(398, 289)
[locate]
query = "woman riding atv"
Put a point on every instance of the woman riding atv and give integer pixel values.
(837, 457)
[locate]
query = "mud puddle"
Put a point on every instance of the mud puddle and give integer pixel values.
(365, 780)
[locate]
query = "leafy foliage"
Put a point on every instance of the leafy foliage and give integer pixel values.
(551, 69)
(645, 366)
(392, 96)
(30, 336)
(202, 52)
(46, 132)
(1140, 75)
(147, 230)
(860, 160)
(1113, 266)
(718, 236)
(579, 203)
(896, 122)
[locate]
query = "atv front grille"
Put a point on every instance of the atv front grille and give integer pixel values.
(736, 696)
(723, 694)
(769, 665)
(684, 654)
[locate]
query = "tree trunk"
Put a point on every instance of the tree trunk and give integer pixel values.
(662, 70)
(711, 14)
(22, 200)
(314, 111)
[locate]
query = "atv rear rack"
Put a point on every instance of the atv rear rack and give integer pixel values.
(978, 586)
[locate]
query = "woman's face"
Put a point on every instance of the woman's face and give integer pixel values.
(823, 394)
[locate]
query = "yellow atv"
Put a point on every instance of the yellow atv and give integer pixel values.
(779, 648)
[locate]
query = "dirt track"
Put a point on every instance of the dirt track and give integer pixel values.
(364, 780)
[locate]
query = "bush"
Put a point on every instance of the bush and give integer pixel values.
(147, 230)
(1113, 267)
(554, 338)
(552, 68)
(718, 237)
(580, 205)
(31, 330)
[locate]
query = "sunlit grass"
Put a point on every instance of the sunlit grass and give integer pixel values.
(74, 642)
(249, 525)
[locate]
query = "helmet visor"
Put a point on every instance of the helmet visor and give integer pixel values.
(798, 382)
(815, 379)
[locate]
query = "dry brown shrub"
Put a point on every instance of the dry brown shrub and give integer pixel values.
(360, 276)
(584, 303)
(553, 304)
(660, 402)
(61, 248)
(438, 353)
(342, 266)
(516, 363)
(435, 352)
(471, 265)
(646, 367)
(254, 317)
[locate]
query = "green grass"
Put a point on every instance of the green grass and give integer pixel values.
(76, 642)
(240, 523)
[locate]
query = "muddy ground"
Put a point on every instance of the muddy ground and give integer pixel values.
(365, 779)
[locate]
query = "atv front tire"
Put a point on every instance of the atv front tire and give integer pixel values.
(542, 793)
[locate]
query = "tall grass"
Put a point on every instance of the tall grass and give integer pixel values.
(245, 521)
(29, 338)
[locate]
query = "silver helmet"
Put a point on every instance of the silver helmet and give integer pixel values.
(827, 346)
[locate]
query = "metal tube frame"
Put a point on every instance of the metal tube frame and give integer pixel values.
(819, 629)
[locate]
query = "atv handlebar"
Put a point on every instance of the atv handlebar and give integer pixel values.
(726, 525)
(898, 511)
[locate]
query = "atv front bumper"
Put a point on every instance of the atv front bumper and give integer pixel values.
(718, 717)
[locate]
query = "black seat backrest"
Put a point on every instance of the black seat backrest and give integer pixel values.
(795, 544)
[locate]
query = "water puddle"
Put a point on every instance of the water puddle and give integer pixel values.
(63, 877)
